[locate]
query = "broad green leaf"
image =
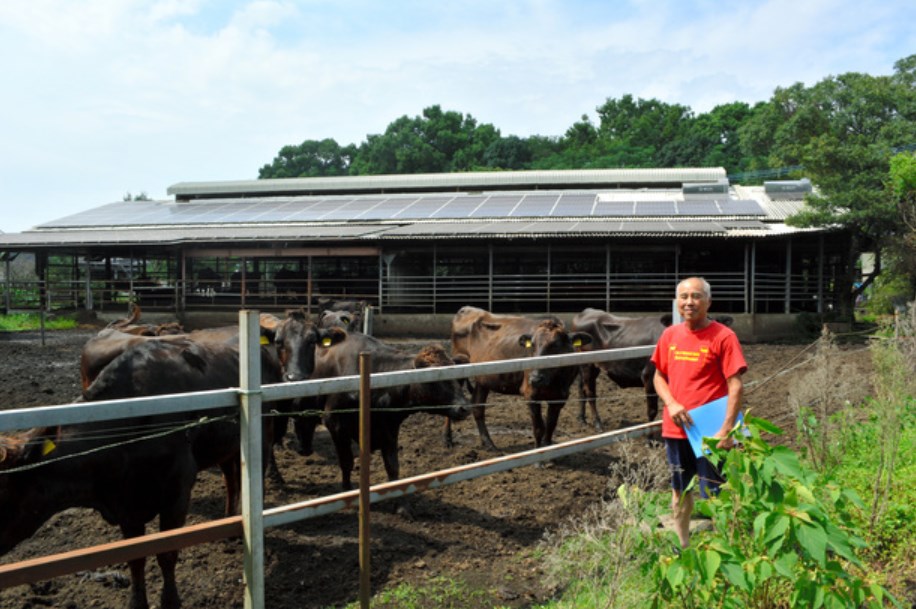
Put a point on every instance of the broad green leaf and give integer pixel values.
(735, 575)
(805, 494)
(709, 563)
(764, 571)
(785, 565)
(764, 425)
(676, 574)
(787, 462)
(776, 528)
(814, 540)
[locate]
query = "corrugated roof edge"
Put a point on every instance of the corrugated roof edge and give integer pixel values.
(447, 182)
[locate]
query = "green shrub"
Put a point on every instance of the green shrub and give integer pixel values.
(782, 536)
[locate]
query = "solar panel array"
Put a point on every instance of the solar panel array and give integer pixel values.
(457, 206)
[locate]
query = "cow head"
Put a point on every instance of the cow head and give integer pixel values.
(295, 339)
(448, 394)
(23, 508)
(351, 322)
(550, 337)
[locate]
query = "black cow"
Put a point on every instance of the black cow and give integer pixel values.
(390, 406)
(481, 336)
(129, 471)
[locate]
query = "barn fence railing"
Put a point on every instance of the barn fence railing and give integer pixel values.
(248, 399)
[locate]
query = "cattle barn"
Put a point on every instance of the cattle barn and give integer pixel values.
(419, 247)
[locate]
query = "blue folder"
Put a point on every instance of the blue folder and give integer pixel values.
(707, 420)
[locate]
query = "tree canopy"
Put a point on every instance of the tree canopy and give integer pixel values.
(840, 132)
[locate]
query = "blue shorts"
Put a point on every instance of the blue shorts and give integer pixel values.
(684, 466)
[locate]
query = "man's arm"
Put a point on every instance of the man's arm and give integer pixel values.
(733, 406)
(676, 410)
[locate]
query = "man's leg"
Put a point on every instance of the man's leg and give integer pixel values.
(682, 507)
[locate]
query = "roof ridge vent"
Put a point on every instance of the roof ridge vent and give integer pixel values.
(705, 191)
(787, 189)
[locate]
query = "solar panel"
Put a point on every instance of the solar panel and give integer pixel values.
(497, 206)
(614, 208)
(424, 207)
(655, 208)
(698, 208)
(535, 206)
(575, 205)
(459, 207)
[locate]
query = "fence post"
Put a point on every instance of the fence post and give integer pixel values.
(252, 457)
(365, 451)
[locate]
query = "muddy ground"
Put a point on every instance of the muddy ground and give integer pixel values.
(484, 532)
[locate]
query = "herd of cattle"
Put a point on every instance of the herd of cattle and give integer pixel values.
(131, 475)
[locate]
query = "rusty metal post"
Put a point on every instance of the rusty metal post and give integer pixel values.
(365, 452)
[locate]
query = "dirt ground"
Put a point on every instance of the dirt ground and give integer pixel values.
(484, 532)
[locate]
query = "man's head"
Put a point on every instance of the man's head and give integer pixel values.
(693, 299)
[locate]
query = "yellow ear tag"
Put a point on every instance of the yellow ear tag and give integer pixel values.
(528, 344)
(577, 342)
(47, 448)
(264, 340)
(326, 341)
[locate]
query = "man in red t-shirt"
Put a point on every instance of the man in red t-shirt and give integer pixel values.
(696, 361)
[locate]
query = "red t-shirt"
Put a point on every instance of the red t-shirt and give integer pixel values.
(697, 366)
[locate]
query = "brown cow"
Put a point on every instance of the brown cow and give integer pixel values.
(133, 471)
(609, 331)
(481, 336)
(390, 406)
(131, 325)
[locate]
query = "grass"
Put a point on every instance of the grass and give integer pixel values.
(18, 322)
(437, 593)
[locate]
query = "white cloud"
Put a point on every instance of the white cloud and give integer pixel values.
(105, 96)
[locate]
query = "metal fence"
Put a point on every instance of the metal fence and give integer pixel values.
(249, 398)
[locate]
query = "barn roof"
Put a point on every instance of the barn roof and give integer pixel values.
(558, 204)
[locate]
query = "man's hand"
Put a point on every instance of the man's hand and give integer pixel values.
(679, 415)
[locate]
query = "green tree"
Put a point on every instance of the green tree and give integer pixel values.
(311, 158)
(437, 141)
(843, 131)
(640, 133)
(512, 153)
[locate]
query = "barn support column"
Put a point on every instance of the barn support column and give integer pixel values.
(820, 274)
(747, 280)
(88, 284)
(308, 289)
(7, 296)
(677, 262)
(490, 277)
(549, 260)
(788, 284)
(183, 281)
(435, 262)
(753, 288)
(607, 276)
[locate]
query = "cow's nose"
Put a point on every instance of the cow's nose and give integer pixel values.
(292, 377)
(538, 379)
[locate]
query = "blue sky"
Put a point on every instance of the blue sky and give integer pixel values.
(104, 97)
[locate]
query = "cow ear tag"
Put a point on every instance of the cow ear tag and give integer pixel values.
(577, 343)
(527, 344)
(326, 341)
(264, 340)
(47, 447)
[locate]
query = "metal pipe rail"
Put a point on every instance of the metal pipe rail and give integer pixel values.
(47, 567)
(82, 412)
(241, 399)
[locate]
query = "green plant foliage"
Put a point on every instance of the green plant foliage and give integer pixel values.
(18, 322)
(782, 536)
